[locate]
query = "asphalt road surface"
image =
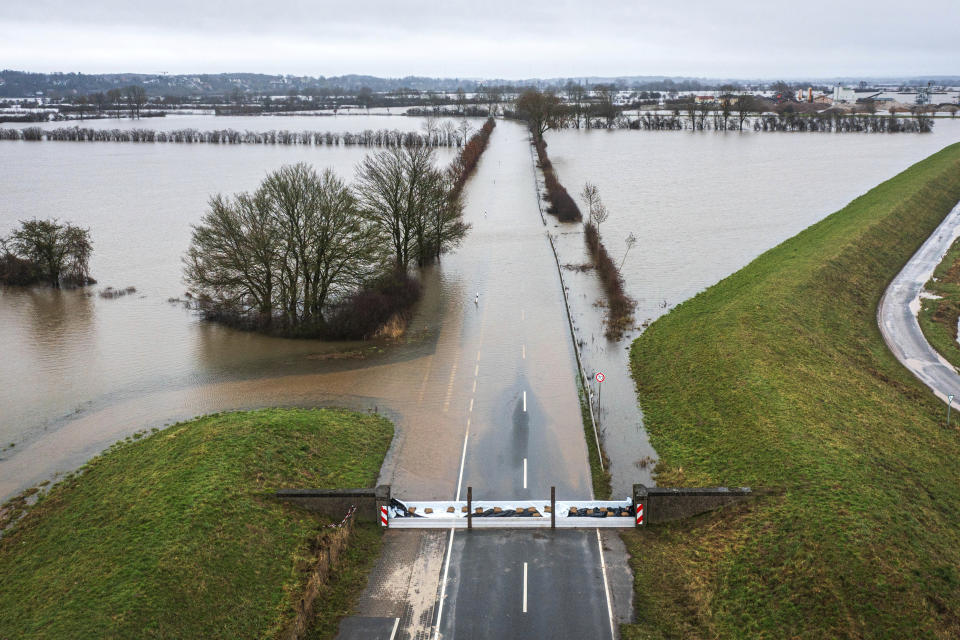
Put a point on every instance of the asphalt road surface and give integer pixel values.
(897, 313)
(501, 387)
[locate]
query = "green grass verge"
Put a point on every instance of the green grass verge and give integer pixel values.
(938, 318)
(599, 476)
(177, 535)
(778, 377)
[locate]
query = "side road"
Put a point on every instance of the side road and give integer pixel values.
(897, 313)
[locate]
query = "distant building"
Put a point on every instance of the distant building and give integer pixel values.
(844, 94)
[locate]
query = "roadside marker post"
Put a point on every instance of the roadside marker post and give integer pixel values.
(553, 507)
(949, 402)
(600, 378)
(383, 516)
(640, 514)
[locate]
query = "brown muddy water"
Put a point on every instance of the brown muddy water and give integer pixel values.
(702, 205)
(78, 372)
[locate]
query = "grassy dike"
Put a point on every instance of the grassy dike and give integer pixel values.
(938, 317)
(778, 377)
(177, 535)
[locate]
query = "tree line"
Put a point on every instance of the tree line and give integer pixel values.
(46, 251)
(535, 108)
(544, 111)
(307, 254)
(438, 137)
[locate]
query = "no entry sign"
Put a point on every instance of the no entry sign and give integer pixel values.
(600, 377)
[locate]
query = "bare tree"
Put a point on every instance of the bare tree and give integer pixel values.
(114, 96)
(630, 240)
(590, 196)
(403, 194)
(538, 109)
(60, 253)
(283, 252)
(744, 105)
(464, 128)
(137, 98)
(431, 128)
(600, 214)
(576, 95)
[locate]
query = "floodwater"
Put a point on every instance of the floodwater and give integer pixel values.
(70, 354)
(78, 372)
(701, 205)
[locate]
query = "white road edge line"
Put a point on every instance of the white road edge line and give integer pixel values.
(474, 385)
(524, 473)
(463, 459)
(606, 587)
(524, 587)
(443, 586)
(524, 401)
(396, 625)
(476, 370)
(471, 404)
(524, 347)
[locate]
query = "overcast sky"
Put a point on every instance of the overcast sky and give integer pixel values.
(516, 39)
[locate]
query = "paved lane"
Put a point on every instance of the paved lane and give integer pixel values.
(897, 313)
(525, 432)
(496, 408)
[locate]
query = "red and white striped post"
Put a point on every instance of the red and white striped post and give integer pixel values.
(383, 516)
(639, 514)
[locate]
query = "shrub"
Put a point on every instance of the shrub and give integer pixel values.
(361, 315)
(561, 204)
(619, 305)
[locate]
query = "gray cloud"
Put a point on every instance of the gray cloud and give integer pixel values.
(493, 39)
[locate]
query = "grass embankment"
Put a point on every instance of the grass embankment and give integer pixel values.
(177, 535)
(778, 377)
(938, 317)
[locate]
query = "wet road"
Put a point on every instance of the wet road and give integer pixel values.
(897, 313)
(501, 382)
(524, 432)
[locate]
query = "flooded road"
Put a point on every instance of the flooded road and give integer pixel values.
(702, 205)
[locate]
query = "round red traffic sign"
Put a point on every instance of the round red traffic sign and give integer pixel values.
(600, 377)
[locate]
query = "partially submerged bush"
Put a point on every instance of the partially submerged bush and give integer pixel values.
(619, 305)
(561, 204)
(46, 250)
(388, 299)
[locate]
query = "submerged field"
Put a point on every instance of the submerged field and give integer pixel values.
(778, 377)
(178, 535)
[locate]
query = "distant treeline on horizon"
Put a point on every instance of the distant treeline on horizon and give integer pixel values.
(21, 84)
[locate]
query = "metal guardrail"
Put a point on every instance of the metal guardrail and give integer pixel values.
(485, 514)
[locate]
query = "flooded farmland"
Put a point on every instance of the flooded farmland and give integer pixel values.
(702, 205)
(79, 371)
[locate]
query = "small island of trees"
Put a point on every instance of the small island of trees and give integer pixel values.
(46, 251)
(309, 255)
